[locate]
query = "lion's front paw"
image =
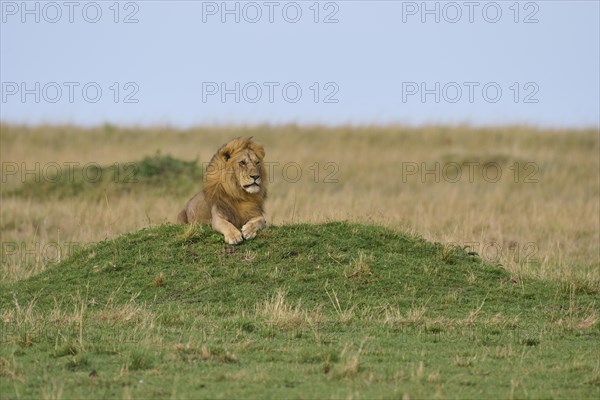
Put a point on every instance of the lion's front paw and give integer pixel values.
(233, 237)
(250, 230)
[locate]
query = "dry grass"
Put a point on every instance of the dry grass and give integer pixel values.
(191, 353)
(414, 316)
(350, 365)
(547, 229)
(277, 312)
(345, 314)
(360, 268)
(69, 320)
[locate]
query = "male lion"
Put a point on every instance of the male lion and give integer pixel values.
(235, 189)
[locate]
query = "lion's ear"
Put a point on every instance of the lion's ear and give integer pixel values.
(225, 152)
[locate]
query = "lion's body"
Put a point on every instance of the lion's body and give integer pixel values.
(198, 210)
(234, 192)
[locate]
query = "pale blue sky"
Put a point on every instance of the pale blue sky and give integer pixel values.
(375, 61)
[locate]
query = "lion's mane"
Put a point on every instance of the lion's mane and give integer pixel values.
(223, 186)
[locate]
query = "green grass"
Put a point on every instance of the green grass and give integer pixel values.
(303, 311)
(161, 173)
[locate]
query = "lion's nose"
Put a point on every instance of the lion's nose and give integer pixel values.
(255, 177)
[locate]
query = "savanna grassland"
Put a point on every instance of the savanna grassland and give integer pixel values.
(434, 262)
(539, 217)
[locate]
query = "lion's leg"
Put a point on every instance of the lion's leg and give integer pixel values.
(251, 228)
(182, 217)
(220, 224)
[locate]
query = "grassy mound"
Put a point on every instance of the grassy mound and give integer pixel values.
(328, 310)
(159, 172)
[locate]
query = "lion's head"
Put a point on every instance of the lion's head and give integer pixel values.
(237, 171)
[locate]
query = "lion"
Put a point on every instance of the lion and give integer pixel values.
(234, 193)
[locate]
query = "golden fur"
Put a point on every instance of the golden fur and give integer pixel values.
(235, 189)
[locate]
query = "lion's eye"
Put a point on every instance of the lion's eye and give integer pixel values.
(243, 163)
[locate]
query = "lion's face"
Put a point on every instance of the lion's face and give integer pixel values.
(237, 169)
(248, 170)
